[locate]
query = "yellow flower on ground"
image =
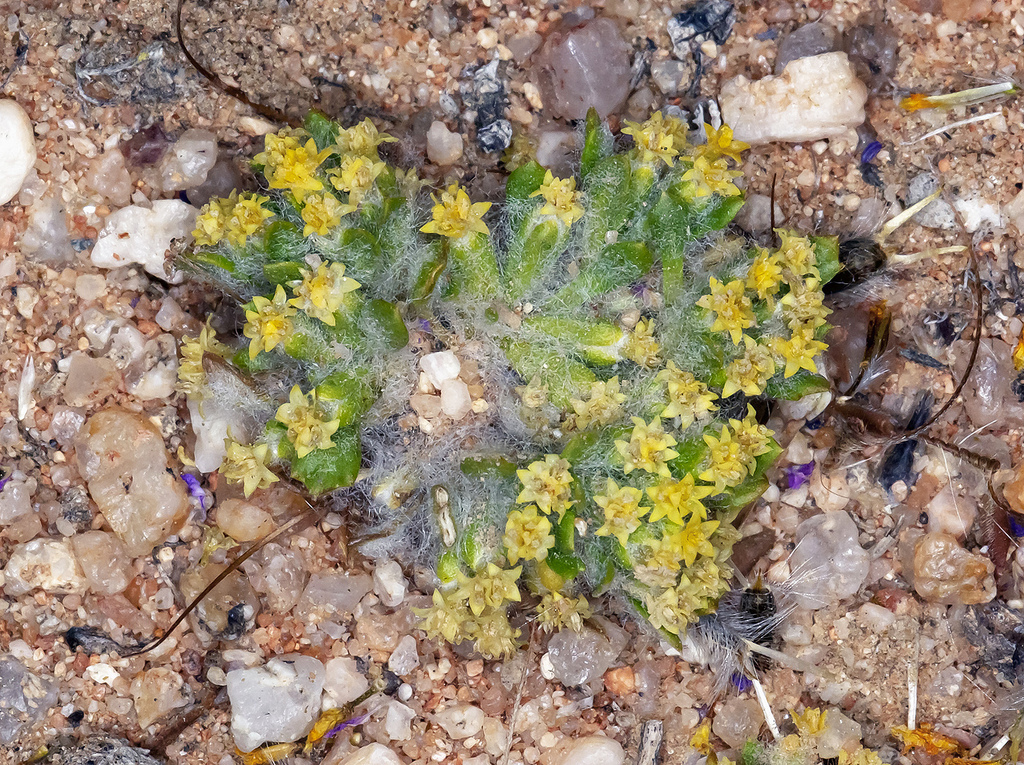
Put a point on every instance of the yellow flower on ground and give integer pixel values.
(688, 398)
(664, 611)
(749, 373)
(663, 563)
(732, 308)
(649, 448)
(798, 351)
(693, 539)
(247, 217)
(363, 139)
(493, 635)
(557, 611)
(191, 375)
(622, 511)
(269, 323)
(445, 618)
(728, 461)
(721, 144)
(810, 722)
(654, 138)
(802, 306)
(297, 169)
(678, 500)
(322, 212)
(492, 587)
(356, 176)
(455, 215)
(765, 277)
(274, 147)
(527, 535)
(709, 177)
(603, 407)
(248, 465)
(212, 221)
(754, 439)
(306, 430)
(320, 295)
(796, 253)
(641, 347)
(546, 483)
(560, 198)
(701, 739)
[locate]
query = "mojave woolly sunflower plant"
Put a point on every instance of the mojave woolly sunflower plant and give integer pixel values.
(549, 400)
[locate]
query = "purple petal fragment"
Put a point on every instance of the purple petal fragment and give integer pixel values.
(349, 723)
(195, 489)
(1016, 525)
(870, 151)
(741, 681)
(798, 475)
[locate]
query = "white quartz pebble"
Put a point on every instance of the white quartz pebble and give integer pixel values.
(142, 235)
(17, 148)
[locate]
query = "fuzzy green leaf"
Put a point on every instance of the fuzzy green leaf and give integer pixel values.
(282, 272)
(382, 321)
(617, 265)
(325, 470)
(826, 251)
(474, 266)
(284, 241)
(596, 143)
(345, 396)
(531, 258)
(801, 384)
(565, 377)
(488, 467)
(524, 181)
(323, 129)
(208, 258)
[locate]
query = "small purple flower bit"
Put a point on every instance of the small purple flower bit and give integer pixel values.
(5, 476)
(349, 723)
(798, 475)
(870, 151)
(741, 682)
(1016, 525)
(195, 489)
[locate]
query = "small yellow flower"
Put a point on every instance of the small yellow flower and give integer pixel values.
(455, 215)
(796, 253)
(527, 535)
(1018, 354)
(688, 398)
(728, 461)
(534, 394)
(802, 306)
(765, 277)
(665, 611)
(560, 198)
(191, 375)
(546, 483)
(655, 139)
(557, 611)
(649, 448)
(754, 439)
(493, 587)
(721, 144)
(306, 430)
(798, 351)
(622, 511)
(248, 465)
(678, 500)
(275, 145)
(751, 372)
(732, 308)
(603, 407)
(356, 176)
(321, 294)
(212, 221)
(493, 635)
(701, 739)
(708, 177)
(445, 618)
(641, 347)
(693, 540)
(810, 722)
(247, 217)
(663, 562)
(269, 323)
(297, 170)
(362, 139)
(322, 212)
(865, 756)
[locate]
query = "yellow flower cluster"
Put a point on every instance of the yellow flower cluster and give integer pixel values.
(293, 166)
(733, 454)
(602, 408)
(268, 324)
(657, 138)
(233, 218)
(191, 375)
(476, 610)
(641, 346)
(455, 216)
(649, 448)
(678, 500)
(688, 398)
(322, 212)
(765, 276)
(320, 294)
(361, 140)
(546, 484)
(751, 371)
(527, 535)
(622, 511)
(732, 308)
(306, 429)
(355, 176)
(560, 198)
(708, 177)
(720, 143)
(247, 465)
(557, 611)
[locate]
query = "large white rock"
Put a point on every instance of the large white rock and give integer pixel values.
(276, 702)
(814, 97)
(45, 564)
(142, 235)
(17, 149)
(591, 750)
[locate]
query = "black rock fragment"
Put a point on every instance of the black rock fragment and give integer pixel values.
(485, 93)
(705, 20)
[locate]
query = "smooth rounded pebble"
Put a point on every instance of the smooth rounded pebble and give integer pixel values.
(591, 750)
(17, 149)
